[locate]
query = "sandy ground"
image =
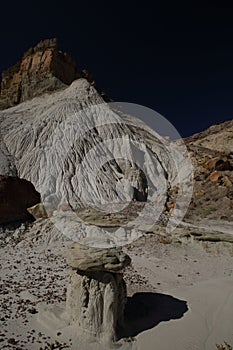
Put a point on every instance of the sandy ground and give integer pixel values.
(180, 295)
(194, 309)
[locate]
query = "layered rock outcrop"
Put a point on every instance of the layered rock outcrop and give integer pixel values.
(16, 195)
(211, 153)
(43, 68)
(96, 294)
(218, 138)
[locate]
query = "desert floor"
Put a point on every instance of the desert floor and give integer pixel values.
(180, 294)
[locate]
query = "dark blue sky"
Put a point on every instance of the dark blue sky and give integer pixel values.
(177, 60)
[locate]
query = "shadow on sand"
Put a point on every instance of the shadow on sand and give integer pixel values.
(146, 310)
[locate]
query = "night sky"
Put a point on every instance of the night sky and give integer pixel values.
(175, 60)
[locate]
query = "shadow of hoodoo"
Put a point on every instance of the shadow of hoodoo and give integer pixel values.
(146, 310)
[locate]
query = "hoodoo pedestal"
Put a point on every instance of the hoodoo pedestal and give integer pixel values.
(96, 294)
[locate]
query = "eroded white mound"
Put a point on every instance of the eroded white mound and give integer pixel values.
(78, 151)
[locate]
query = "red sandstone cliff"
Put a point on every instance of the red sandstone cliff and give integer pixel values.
(43, 68)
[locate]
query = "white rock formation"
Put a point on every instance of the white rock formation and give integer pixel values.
(79, 152)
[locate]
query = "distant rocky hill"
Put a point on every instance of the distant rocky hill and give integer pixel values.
(212, 154)
(218, 137)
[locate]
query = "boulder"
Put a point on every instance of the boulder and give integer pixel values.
(85, 258)
(39, 211)
(16, 195)
(214, 176)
